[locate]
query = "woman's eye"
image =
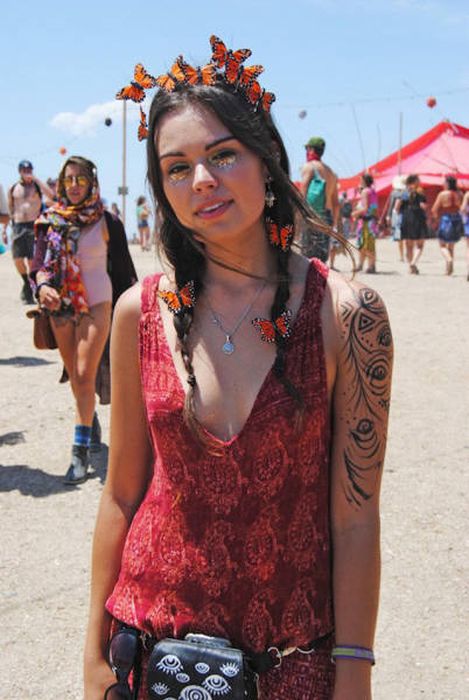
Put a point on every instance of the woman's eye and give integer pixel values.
(177, 171)
(223, 158)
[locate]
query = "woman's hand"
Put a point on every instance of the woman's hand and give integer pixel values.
(49, 297)
(97, 679)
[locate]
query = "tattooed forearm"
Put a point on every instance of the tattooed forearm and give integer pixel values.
(367, 353)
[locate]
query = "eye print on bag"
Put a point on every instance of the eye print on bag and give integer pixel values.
(230, 670)
(170, 664)
(202, 668)
(160, 688)
(194, 692)
(216, 685)
(183, 678)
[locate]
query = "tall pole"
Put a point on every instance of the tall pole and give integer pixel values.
(399, 153)
(124, 157)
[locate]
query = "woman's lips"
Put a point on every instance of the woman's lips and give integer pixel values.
(213, 210)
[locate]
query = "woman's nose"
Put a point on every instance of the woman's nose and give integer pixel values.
(203, 178)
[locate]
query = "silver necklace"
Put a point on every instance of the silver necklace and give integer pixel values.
(228, 346)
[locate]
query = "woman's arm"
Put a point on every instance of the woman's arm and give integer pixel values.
(435, 210)
(465, 203)
(128, 474)
(360, 407)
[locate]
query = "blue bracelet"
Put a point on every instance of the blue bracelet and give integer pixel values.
(346, 651)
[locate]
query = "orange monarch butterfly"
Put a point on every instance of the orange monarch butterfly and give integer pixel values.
(248, 73)
(205, 75)
(266, 100)
(220, 53)
(169, 81)
(280, 236)
(136, 90)
(143, 126)
(270, 329)
(253, 92)
(181, 299)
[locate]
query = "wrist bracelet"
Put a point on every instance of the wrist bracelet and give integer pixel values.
(42, 284)
(346, 651)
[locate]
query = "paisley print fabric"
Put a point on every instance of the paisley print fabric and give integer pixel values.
(235, 545)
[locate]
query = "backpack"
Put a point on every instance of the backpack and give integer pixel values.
(346, 209)
(316, 194)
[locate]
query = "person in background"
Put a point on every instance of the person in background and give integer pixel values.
(4, 219)
(366, 215)
(465, 215)
(336, 247)
(25, 201)
(143, 216)
(394, 217)
(319, 187)
(446, 209)
(81, 266)
(412, 205)
(116, 211)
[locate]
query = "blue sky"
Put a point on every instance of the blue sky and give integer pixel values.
(353, 66)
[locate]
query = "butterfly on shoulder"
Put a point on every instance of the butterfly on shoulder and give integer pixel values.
(142, 132)
(136, 90)
(181, 299)
(280, 236)
(270, 330)
(204, 75)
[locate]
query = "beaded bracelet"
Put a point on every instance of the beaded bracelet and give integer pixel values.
(346, 651)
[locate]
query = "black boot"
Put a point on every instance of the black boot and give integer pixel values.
(26, 292)
(95, 444)
(78, 470)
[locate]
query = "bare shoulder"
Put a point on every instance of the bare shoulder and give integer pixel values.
(127, 311)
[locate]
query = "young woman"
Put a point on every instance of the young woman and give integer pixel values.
(366, 212)
(412, 207)
(143, 214)
(242, 491)
(446, 209)
(81, 266)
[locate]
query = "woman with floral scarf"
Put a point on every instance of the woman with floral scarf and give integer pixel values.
(81, 266)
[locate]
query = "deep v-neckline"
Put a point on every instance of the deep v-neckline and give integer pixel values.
(295, 324)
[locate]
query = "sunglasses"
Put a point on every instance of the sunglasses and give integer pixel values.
(80, 180)
(123, 650)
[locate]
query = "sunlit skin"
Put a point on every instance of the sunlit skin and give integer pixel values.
(27, 176)
(203, 166)
(76, 193)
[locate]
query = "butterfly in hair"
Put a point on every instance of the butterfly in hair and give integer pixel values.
(136, 90)
(142, 132)
(181, 299)
(270, 330)
(280, 236)
(174, 77)
(205, 75)
(220, 53)
(247, 74)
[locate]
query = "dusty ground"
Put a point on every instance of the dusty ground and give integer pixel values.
(46, 528)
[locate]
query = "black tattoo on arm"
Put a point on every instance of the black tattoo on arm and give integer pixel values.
(367, 354)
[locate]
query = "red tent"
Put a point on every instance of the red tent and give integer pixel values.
(444, 150)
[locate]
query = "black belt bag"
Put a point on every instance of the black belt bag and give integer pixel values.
(200, 668)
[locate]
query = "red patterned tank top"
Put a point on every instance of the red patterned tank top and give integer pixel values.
(237, 544)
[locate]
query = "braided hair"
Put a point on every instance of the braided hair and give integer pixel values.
(187, 256)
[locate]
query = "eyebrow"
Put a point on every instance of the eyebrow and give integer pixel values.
(210, 145)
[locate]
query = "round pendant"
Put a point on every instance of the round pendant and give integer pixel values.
(228, 348)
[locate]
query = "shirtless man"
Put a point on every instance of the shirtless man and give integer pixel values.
(319, 187)
(25, 202)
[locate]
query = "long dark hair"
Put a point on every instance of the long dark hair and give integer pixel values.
(256, 131)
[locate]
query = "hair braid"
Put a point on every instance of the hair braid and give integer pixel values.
(279, 305)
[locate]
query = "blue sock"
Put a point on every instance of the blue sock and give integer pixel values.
(82, 435)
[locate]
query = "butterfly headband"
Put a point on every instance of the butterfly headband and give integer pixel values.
(225, 63)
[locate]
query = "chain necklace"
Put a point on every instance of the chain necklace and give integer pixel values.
(228, 346)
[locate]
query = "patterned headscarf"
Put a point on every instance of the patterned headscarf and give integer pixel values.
(61, 265)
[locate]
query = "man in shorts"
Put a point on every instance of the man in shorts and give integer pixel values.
(319, 187)
(25, 205)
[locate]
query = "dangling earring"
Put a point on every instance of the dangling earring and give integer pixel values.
(269, 195)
